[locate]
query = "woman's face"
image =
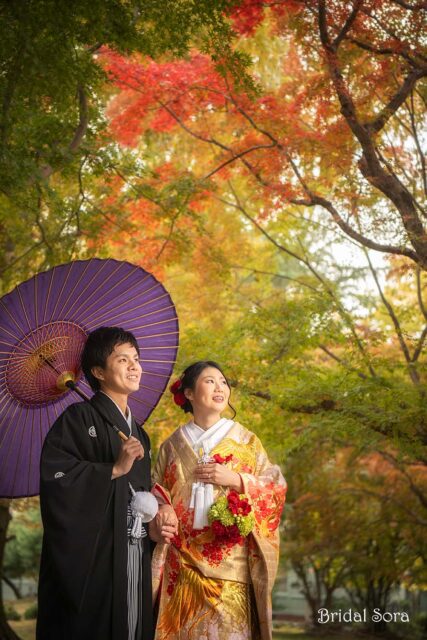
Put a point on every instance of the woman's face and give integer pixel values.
(210, 393)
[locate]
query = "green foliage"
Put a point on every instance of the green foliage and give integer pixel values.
(11, 613)
(52, 122)
(31, 612)
(22, 551)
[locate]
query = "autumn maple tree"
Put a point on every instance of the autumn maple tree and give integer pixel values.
(333, 134)
(253, 191)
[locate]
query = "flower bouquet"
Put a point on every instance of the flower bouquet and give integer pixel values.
(231, 518)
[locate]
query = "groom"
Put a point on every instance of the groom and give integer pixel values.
(95, 578)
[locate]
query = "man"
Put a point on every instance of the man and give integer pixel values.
(95, 578)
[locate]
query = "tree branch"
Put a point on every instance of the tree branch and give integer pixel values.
(348, 23)
(342, 362)
(419, 293)
(237, 205)
(12, 585)
(369, 164)
(217, 143)
(421, 155)
(414, 488)
(47, 170)
(315, 199)
(413, 373)
(275, 275)
(412, 7)
(388, 498)
(21, 257)
(361, 239)
(398, 99)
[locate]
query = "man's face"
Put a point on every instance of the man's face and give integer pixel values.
(122, 372)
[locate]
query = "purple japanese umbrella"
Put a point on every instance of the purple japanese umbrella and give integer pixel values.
(44, 323)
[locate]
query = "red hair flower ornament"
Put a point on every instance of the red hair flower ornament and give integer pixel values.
(178, 394)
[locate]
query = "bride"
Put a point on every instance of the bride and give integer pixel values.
(215, 580)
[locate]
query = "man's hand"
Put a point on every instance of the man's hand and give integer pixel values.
(164, 526)
(131, 450)
(214, 473)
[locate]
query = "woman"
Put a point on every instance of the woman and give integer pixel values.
(214, 582)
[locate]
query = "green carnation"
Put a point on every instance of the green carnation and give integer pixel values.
(227, 518)
(245, 524)
(220, 511)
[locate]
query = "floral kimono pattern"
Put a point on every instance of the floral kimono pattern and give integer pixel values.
(212, 590)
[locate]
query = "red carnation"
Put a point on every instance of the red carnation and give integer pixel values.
(219, 529)
(233, 534)
(244, 508)
(233, 502)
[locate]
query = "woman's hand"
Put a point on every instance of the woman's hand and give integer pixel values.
(214, 473)
(164, 527)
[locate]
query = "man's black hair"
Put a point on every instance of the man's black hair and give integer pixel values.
(99, 345)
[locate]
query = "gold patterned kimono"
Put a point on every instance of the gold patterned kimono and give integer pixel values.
(209, 590)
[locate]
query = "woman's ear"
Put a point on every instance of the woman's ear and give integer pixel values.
(188, 393)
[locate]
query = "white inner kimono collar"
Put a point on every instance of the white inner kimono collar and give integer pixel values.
(127, 417)
(203, 441)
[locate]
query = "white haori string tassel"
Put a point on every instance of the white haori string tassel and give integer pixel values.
(201, 496)
(201, 501)
(144, 508)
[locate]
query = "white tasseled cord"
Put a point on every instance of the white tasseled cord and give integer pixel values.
(144, 507)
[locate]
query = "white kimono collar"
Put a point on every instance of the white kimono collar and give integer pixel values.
(203, 441)
(127, 417)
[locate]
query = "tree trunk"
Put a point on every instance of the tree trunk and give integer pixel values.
(6, 633)
(12, 585)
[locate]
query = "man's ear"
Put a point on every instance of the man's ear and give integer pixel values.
(98, 373)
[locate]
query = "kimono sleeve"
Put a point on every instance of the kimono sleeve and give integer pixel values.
(162, 475)
(161, 482)
(73, 469)
(266, 488)
(75, 493)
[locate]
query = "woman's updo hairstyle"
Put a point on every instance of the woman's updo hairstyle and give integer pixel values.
(188, 380)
